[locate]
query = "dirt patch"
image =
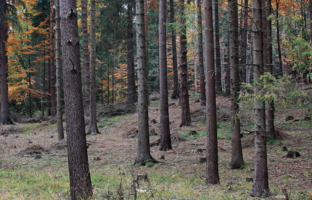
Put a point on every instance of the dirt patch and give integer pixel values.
(8, 129)
(61, 145)
(33, 150)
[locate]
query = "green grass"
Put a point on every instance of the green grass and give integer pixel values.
(28, 128)
(224, 131)
(109, 121)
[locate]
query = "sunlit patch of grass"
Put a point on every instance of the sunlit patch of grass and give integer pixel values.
(28, 128)
(31, 183)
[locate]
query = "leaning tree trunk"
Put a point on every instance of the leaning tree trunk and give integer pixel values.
(212, 170)
(86, 57)
(260, 187)
(201, 55)
(79, 174)
(185, 104)
(237, 161)
(143, 150)
(59, 116)
(5, 112)
(93, 129)
(165, 139)
(175, 93)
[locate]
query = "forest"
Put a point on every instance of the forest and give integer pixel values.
(146, 99)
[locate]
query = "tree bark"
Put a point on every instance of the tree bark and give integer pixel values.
(59, 113)
(185, 104)
(244, 42)
(218, 53)
(237, 161)
(280, 70)
(79, 174)
(175, 93)
(93, 129)
(51, 61)
(268, 61)
(131, 96)
(143, 150)
(165, 139)
(86, 57)
(260, 187)
(212, 171)
(5, 112)
(201, 55)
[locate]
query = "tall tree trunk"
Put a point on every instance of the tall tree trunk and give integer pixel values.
(52, 67)
(93, 129)
(165, 139)
(237, 161)
(280, 70)
(5, 112)
(310, 12)
(212, 171)
(201, 55)
(60, 128)
(175, 93)
(268, 61)
(218, 51)
(85, 58)
(228, 72)
(43, 83)
(260, 187)
(143, 151)
(185, 104)
(131, 96)
(79, 174)
(244, 41)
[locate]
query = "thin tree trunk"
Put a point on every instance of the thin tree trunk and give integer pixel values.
(185, 105)
(131, 96)
(280, 70)
(52, 98)
(43, 84)
(60, 128)
(93, 129)
(165, 139)
(268, 61)
(218, 51)
(175, 93)
(85, 58)
(212, 171)
(237, 161)
(5, 112)
(79, 174)
(244, 41)
(201, 55)
(310, 12)
(260, 187)
(143, 150)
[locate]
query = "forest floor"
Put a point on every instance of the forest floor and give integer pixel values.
(33, 165)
